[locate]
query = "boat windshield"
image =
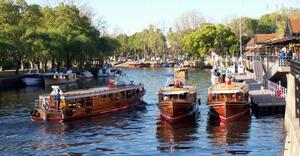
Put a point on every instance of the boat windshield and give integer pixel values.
(226, 97)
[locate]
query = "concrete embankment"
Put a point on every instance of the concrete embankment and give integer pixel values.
(11, 83)
(291, 123)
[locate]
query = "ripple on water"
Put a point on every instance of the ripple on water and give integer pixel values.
(135, 131)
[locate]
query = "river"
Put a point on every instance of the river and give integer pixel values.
(137, 131)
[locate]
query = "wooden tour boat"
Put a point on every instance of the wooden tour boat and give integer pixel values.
(229, 101)
(59, 78)
(138, 64)
(181, 73)
(83, 103)
(177, 102)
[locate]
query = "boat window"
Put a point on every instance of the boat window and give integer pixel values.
(133, 92)
(117, 96)
(123, 95)
(182, 96)
(79, 103)
(128, 94)
(173, 96)
(88, 101)
(110, 96)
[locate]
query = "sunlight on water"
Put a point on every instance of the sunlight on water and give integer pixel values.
(135, 131)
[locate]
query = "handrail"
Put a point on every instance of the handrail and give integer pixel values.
(277, 89)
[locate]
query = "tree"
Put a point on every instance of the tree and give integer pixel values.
(200, 42)
(219, 38)
(189, 22)
(225, 41)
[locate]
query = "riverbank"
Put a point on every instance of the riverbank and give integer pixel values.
(190, 63)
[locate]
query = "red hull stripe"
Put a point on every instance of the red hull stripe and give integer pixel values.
(234, 116)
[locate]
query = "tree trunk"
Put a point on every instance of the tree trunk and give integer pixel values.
(18, 67)
(45, 66)
(22, 65)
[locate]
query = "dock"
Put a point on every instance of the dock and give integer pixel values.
(264, 101)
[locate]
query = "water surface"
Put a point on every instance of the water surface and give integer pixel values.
(137, 131)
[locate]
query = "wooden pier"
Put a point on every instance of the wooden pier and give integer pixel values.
(264, 101)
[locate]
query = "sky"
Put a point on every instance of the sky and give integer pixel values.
(130, 16)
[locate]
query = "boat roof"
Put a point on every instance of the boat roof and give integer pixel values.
(177, 91)
(97, 91)
(181, 69)
(224, 88)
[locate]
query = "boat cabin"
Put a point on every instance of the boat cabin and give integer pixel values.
(228, 92)
(91, 99)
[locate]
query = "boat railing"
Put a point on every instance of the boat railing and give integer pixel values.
(37, 104)
(101, 90)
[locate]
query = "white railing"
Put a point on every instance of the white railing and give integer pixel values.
(283, 63)
(277, 89)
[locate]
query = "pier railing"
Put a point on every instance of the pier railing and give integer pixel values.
(277, 89)
(284, 62)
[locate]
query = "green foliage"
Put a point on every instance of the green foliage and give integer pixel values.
(30, 33)
(217, 38)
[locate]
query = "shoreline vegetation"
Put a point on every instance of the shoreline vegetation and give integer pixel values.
(68, 36)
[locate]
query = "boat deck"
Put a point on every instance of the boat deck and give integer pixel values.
(232, 88)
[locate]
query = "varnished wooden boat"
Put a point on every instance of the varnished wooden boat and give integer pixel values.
(177, 102)
(85, 103)
(229, 101)
(181, 73)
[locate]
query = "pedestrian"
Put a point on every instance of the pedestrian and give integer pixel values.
(58, 98)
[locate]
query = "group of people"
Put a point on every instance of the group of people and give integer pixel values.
(286, 55)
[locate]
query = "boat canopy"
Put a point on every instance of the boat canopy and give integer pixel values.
(173, 92)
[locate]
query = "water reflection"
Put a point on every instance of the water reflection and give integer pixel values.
(232, 133)
(175, 136)
(88, 132)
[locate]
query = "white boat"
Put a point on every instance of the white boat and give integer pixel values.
(86, 75)
(108, 70)
(33, 78)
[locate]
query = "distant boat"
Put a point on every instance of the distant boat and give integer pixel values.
(181, 73)
(177, 102)
(60, 78)
(138, 64)
(32, 78)
(229, 101)
(108, 70)
(86, 75)
(84, 103)
(155, 64)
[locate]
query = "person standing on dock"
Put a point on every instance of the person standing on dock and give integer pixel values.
(58, 98)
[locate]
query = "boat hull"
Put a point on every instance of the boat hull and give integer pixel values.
(32, 81)
(52, 81)
(175, 110)
(229, 111)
